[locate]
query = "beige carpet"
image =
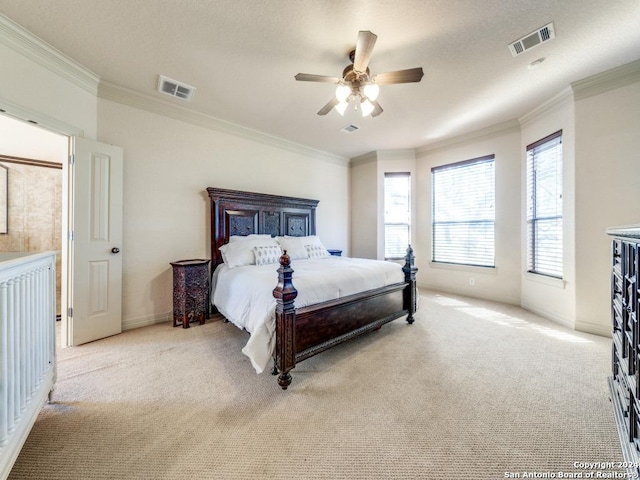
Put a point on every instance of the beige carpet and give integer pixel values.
(472, 390)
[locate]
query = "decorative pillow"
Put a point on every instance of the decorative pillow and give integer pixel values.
(238, 254)
(294, 247)
(266, 255)
(316, 251)
(240, 238)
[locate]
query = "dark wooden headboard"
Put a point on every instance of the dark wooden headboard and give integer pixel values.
(234, 212)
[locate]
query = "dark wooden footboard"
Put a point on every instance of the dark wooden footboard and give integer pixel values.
(302, 333)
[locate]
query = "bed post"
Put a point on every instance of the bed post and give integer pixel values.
(410, 294)
(285, 293)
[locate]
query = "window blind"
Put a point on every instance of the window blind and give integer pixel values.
(544, 206)
(463, 212)
(397, 214)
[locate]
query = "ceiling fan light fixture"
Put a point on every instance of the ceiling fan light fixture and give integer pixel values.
(371, 91)
(357, 83)
(366, 107)
(342, 92)
(341, 107)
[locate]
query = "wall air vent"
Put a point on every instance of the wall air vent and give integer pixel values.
(350, 128)
(174, 88)
(533, 39)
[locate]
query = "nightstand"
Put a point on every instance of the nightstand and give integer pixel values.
(335, 253)
(190, 292)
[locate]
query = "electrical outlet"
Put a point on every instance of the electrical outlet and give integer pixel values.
(472, 281)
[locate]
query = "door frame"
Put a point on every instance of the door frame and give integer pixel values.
(39, 120)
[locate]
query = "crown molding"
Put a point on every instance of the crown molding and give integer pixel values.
(397, 154)
(564, 98)
(608, 80)
(27, 44)
(384, 155)
(116, 93)
(363, 159)
(493, 130)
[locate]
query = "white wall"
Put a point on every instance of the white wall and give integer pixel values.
(364, 206)
(607, 193)
(552, 298)
(168, 164)
(501, 283)
(32, 91)
(367, 198)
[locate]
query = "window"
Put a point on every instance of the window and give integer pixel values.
(544, 206)
(397, 214)
(463, 215)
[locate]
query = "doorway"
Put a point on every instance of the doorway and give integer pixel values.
(35, 161)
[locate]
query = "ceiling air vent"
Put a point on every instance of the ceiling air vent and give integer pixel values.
(174, 88)
(531, 40)
(350, 128)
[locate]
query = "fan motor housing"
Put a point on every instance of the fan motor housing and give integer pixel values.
(353, 77)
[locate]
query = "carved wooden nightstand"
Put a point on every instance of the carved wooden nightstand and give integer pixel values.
(190, 291)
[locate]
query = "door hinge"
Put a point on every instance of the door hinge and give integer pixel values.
(70, 312)
(71, 235)
(72, 159)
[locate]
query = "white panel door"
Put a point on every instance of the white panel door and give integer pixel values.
(94, 280)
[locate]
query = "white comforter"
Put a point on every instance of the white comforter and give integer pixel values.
(244, 295)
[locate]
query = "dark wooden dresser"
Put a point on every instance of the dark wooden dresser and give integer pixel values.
(190, 292)
(625, 380)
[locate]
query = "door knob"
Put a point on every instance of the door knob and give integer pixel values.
(115, 250)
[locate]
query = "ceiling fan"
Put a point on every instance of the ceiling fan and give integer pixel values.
(356, 84)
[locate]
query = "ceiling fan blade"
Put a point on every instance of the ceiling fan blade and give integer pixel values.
(327, 108)
(377, 109)
(364, 48)
(308, 77)
(400, 76)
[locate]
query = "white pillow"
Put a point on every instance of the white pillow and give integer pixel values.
(239, 238)
(238, 254)
(308, 240)
(267, 254)
(316, 251)
(294, 247)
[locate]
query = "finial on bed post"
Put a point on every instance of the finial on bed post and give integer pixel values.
(410, 294)
(285, 294)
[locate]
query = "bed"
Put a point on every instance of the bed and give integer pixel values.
(303, 331)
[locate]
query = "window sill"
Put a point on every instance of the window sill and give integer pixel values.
(544, 280)
(464, 268)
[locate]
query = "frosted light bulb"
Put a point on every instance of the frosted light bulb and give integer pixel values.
(367, 108)
(343, 92)
(372, 91)
(341, 107)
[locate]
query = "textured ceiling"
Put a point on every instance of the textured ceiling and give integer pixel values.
(242, 55)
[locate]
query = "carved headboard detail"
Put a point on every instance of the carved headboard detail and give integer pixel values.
(234, 212)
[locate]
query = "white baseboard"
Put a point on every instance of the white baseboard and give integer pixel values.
(594, 328)
(586, 327)
(566, 322)
(131, 323)
(466, 293)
